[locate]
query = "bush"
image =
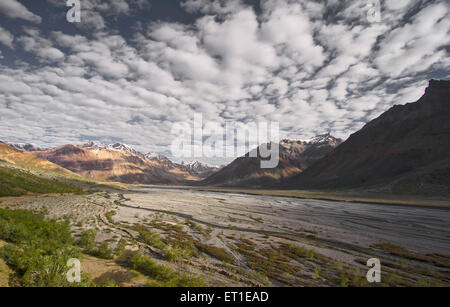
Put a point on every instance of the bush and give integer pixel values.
(103, 252)
(40, 249)
(216, 252)
(87, 240)
(164, 276)
(150, 238)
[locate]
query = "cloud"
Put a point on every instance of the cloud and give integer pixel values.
(313, 66)
(416, 46)
(212, 6)
(397, 4)
(14, 9)
(6, 37)
(35, 43)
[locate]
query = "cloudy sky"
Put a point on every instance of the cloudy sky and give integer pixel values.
(132, 68)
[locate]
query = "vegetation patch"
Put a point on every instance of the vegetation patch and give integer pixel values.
(38, 249)
(109, 216)
(216, 252)
(163, 275)
(15, 182)
(436, 259)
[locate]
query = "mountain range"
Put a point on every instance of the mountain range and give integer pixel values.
(121, 163)
(405, 150)
(294, 158)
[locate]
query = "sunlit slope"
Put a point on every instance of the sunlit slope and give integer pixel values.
(29, 161)
(17, 182)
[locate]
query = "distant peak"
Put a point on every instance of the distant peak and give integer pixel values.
(155, 156)
(323, 138)
(94, 145)
(26, 147)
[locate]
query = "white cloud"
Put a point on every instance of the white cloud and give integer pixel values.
(35, 43)
(286, 26)
(293, 62)
(6, 37)
(213, 6)
(397, 4)
(14, 9)
(408, 49)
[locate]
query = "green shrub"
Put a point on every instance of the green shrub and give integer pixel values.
(216, 252)
(164, 276)
(87, 240)
(121, 247)
(150, 238)
(109, 216)
(103, 252)
(39, 251)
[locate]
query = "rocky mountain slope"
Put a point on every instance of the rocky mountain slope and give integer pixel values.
(14, 157)
(118, 162)
(407, 148)
(200, 170)
(295, 157)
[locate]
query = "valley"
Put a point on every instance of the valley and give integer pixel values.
(229, 239)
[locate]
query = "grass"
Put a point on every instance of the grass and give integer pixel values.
(15, 182)
(204, 232)
(436, 259)
(216, 252)
(163, 275)
(177, 242)
(38, 249)
(109, 216)
(150, 238)
(87, 243)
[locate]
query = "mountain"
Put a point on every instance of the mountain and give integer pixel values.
(25, 147)
(406, 149)
(117, 162)
(200, 170)
(17, 158)
(294, 157)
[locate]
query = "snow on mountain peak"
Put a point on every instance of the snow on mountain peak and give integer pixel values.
(94, 145)
(323, 139)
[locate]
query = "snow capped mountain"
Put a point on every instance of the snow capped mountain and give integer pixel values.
(197, 165)
(324, 139)
(295, 156)
(94, 145)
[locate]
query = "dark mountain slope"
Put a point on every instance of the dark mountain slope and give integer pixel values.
(408, 144)
(295, 156)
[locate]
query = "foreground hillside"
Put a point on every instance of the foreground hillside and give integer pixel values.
(16, 182)
(294, 158)
(406, 149)
(22, 173)
(26, 160)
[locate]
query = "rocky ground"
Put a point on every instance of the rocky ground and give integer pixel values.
(242, 240)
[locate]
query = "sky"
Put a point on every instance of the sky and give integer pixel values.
(131, 69)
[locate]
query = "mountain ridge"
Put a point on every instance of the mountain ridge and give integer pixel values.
(121, 163)
(405, 141)
(294, 157)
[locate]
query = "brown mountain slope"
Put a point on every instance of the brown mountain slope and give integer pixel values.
(27, 160)
(295, 156)
(407, 146)
(117, 162)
